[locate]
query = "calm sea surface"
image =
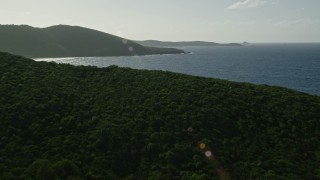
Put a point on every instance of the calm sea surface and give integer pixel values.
(296, 66)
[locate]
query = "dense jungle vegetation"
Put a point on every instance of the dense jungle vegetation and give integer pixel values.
(59, 121)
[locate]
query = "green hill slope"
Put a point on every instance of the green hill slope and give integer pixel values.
(62, 121)
(69, 41)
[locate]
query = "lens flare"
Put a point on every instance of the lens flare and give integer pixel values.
(124, 41)
(202, 146)
(208, 153)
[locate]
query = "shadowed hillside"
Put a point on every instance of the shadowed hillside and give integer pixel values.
(60, 121)
(69, 41)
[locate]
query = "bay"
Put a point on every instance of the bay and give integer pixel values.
(295, 66)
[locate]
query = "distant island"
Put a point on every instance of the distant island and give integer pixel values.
(245, 43)
(156, 43)
(70, 41)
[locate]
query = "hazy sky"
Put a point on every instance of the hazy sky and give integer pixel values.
(176, 20)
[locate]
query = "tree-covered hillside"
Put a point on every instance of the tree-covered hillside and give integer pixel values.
(69, 41)
(60, 121)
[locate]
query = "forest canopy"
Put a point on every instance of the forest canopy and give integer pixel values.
(59, 121)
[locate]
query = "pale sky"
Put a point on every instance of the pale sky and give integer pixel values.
(176, 20)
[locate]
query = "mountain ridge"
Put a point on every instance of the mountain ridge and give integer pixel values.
(157, 43)
(69, 41)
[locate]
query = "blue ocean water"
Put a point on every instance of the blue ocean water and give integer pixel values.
(295, 66)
